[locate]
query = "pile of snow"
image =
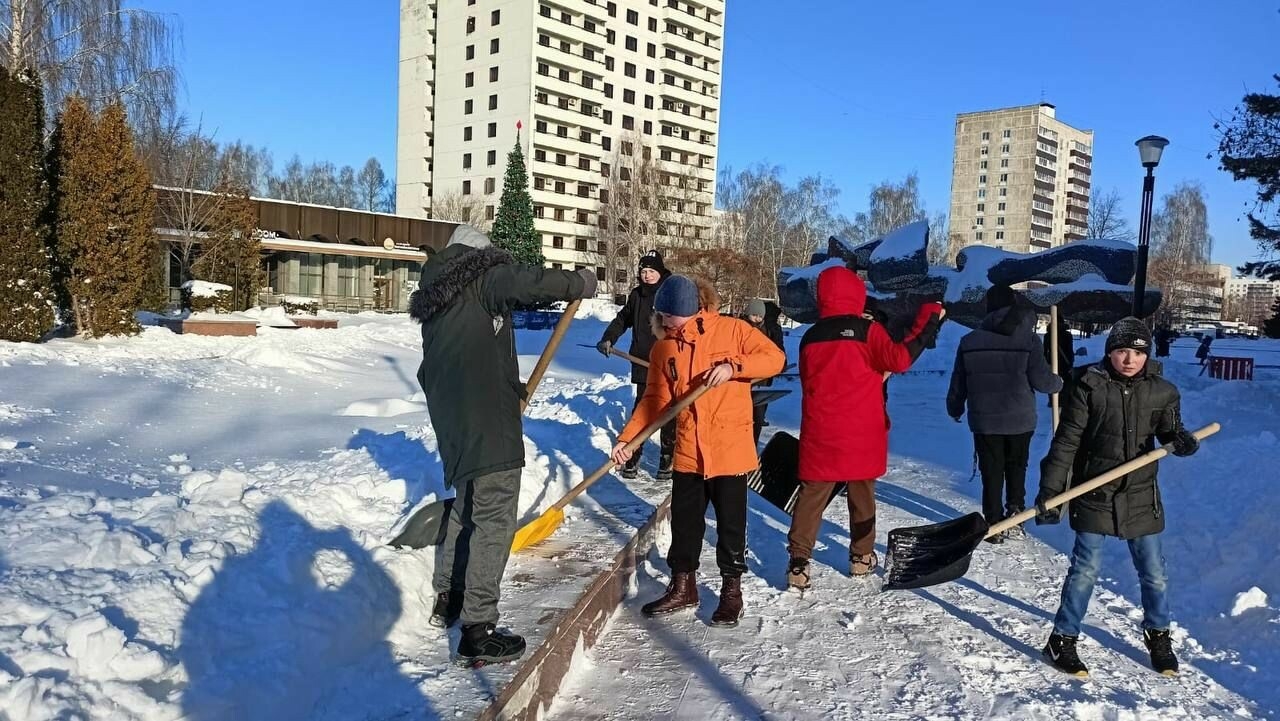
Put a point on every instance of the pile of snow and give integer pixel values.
(205, 289)
(274, 316)
(1249, 600)
(383, 408)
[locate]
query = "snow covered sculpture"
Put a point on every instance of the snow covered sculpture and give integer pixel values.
(1086, 279)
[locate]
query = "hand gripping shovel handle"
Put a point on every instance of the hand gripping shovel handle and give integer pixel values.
(667, 416)
(549, 352)
(1092, 484)
(627, 356)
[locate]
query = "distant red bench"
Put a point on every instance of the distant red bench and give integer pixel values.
(1231, 369)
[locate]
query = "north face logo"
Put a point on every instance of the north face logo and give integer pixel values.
(1139, 343)
(849, 333)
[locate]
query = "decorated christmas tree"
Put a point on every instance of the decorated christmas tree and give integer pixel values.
(513, 228)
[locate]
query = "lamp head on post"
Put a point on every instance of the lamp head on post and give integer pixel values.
(1149, 150)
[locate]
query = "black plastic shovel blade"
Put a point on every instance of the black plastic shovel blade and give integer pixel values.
(426, 527)
(922, 556)
(766, 395)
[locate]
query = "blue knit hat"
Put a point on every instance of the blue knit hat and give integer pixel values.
(677, 296)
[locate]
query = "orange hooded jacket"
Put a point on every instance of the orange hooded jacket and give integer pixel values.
(714, 435)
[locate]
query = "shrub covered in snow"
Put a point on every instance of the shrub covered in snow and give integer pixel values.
(199, 296)
(297, 305)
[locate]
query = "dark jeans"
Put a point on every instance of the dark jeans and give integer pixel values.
(690, 496)
(667, 436)
(1003, 463)
(477, 543)
(1086, 562)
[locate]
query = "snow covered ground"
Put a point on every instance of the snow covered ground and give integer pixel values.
(192, 528)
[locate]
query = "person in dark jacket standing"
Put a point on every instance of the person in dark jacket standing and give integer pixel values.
(1117, 411)
(998, 370)
(473, 391)
(844, 425)
(635, 316)
(763, 316)
(1202, 352)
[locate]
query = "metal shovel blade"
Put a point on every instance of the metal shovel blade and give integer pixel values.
(922, 556)
(426, 527)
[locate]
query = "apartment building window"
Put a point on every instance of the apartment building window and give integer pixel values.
(604, 196)
(608, 90)
(1004, 192)
(1000, 220)
(560, 159)
(605, 142)
(648, 127)
(468, 106)
(492, 158)
(563, 74)
(1004, 178)
(633, 17)
(628, 122)
(584, 163)
(471, 52)
(565, 47)
(579, 244)
(983, 151)
(612, 8)
(543, 69)
(493, 46)
(982, 180)
(1004, 162)
(608, 63)
(566, 18)
(982, 165)
(610, 37)
(986, 136)
(982, 192)
(559, 187)
(466, 161)
(488, 186)
(604, 169)
(559, 214)
(1007, 134)
(541, 125)
(493, 130)
(999, 235)
(648, 102)
(494, 17)
(588, 25)
(979, 221)
(1000, 207)
(540, 155)
(626, 149)
(653, 25)
(584, 190)
(493, 102)
(584, 135)
(557, 241)
(607, 116)
(544, 11)
(652, 50)
(471, 25)
(588, 54)
(977, 235)
(539, 184)
(629, 70)
(632, 44)
(466, 187)
(648, 75)
(493, 74)
(1004, 149)
(537, 209)
(982, 207)
(466, 134)
(544, 40)
(629, 97)
(562, 132)
(468, 80)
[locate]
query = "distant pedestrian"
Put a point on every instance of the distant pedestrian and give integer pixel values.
(1203, 351)
(763, 316)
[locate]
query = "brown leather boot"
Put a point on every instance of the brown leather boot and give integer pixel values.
(730, 608)
(682, 593)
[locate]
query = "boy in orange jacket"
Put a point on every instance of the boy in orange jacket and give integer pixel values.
(715, 450)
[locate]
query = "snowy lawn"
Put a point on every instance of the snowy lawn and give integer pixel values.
(192, 528)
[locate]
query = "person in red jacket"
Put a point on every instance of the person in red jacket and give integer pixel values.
(844, 425)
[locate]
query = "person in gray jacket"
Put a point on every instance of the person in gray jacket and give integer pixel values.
(998, 370)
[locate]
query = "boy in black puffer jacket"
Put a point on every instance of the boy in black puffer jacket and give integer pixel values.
(1116, 412)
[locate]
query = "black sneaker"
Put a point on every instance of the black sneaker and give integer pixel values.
(664, 468)
(483, 643)
(1016, 533)
(1160, 645)
(629, 472)
(1060, 652)
(998, 538)
(447, 609)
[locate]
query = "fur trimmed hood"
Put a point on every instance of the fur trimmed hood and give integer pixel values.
(708, 299)
(446, 274)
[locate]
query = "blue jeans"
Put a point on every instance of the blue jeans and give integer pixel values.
(1086, 561)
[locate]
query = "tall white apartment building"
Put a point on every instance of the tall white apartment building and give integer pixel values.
(583, 78)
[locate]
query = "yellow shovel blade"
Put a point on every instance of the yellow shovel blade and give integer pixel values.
(538, 530)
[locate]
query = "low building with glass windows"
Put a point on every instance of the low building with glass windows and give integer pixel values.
(346, 260)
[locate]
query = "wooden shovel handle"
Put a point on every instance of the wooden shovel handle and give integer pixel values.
(549, 352)
(627, 356)
(667, 416)
(1101, 480)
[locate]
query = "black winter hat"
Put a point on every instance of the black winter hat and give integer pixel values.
(1129, 333)
(653, 259)
(1000, 296)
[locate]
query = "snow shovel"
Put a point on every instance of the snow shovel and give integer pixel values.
(623, 355)
(426, 527)
(541, 528)
(928, 555)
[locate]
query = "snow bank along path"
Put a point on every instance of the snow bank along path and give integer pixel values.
(192, 527)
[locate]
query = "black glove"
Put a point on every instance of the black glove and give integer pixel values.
(589, 282)
(605, 348)
(1184, 444)
(1047, 516)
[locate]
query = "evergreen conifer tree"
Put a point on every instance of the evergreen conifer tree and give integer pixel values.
(1271, 327)
(513, 228)
(231, 254)
(26, 285)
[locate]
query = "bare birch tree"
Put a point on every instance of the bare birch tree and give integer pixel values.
(890, 206)
(1180, 248)
(460, 208)
(1106, 218)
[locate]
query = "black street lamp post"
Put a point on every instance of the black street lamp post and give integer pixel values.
(1149, 150)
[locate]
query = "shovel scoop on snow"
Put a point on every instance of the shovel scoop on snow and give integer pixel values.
(922, 556)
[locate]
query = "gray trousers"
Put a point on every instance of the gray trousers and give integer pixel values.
(477, 543)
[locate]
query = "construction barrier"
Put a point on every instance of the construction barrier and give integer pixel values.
(1231, 369)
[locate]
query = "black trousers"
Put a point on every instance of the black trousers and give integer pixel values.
(1002, 461)
(690, 496)
(666, 436)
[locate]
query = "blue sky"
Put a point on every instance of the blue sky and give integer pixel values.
(856, 91)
